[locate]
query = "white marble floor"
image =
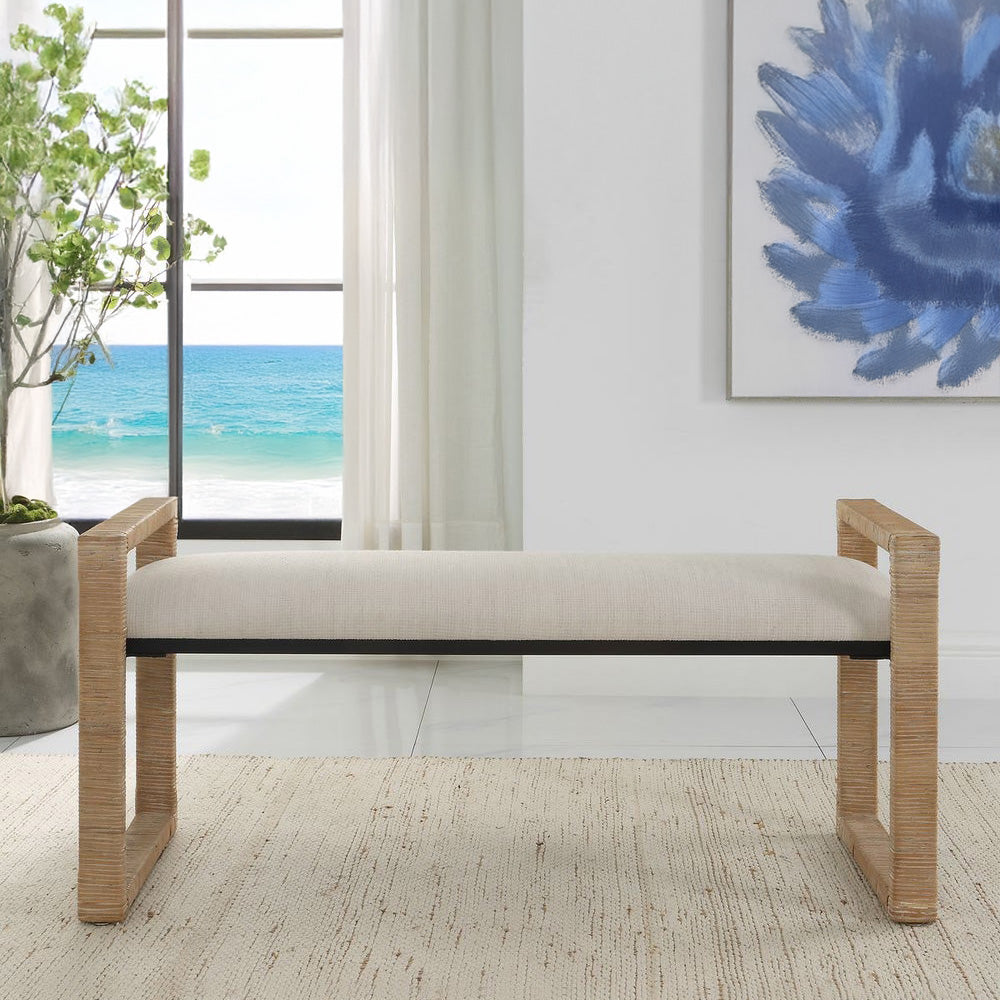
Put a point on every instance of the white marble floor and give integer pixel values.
(336, 706)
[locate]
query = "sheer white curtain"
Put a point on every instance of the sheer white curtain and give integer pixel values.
(432, 333)
(29, 459)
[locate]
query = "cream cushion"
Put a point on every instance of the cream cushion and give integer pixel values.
(508, 596)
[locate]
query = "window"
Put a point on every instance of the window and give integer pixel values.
(230, 396)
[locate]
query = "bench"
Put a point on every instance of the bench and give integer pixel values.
(511, 603)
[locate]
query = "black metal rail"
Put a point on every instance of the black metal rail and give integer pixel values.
(513, 647)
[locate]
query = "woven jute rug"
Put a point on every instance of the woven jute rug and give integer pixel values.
(457, 878)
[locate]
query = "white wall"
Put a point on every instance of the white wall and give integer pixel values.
(630, 442)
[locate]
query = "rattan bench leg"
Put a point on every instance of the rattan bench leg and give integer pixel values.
(900, 863)
(857, 737)
(156, 734)
(156, 768)
(914, 736)
(102, 894)
(857, 773)
(115, 861)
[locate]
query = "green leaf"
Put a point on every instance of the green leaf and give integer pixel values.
(29, 73)
(39, 251)
(154, 288)
(65, 217)
(161, 247)
(200, 164)
(22, 320)
(128, 198)
(198, 227)
(50, 55)
(78, 100)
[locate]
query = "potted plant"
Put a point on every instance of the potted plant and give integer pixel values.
(83, 237)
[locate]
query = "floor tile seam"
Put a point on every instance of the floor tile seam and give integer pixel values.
(806, 724)
(423, 712)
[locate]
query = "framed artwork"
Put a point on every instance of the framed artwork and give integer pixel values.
(865, 199)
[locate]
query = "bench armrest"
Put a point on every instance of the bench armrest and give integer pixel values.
(149, 526)
(884, 527)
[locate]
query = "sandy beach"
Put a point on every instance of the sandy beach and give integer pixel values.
(86, 496)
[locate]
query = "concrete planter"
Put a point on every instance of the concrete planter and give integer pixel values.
(39, 627)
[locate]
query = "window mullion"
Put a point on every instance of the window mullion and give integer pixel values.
(223, 33)
(175, 274)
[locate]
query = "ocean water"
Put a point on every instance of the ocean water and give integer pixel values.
(264, 418)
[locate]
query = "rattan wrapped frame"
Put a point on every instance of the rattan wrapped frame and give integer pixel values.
(900, 864)
(115, 860)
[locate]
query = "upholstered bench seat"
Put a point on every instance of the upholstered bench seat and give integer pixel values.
(509, 596)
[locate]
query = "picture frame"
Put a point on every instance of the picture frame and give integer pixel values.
(864, 200)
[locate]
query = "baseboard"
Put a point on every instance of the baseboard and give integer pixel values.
(970, 665)
(969, 668)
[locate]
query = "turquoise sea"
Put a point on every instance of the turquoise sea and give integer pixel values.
(250, 413)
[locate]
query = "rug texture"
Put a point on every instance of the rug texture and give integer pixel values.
(455, 878)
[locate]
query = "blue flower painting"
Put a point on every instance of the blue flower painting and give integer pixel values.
(888, 184)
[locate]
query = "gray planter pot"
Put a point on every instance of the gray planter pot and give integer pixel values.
(39, 627)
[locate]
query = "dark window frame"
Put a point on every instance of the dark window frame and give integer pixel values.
(308, 529)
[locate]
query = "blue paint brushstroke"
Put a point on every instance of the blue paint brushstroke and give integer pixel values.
(977, 348)
(901, 354)
(815, 212)
(822, 101)
(982, 45)
(852, 322)
(937, 326)
(803, 271)
(888, 178)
